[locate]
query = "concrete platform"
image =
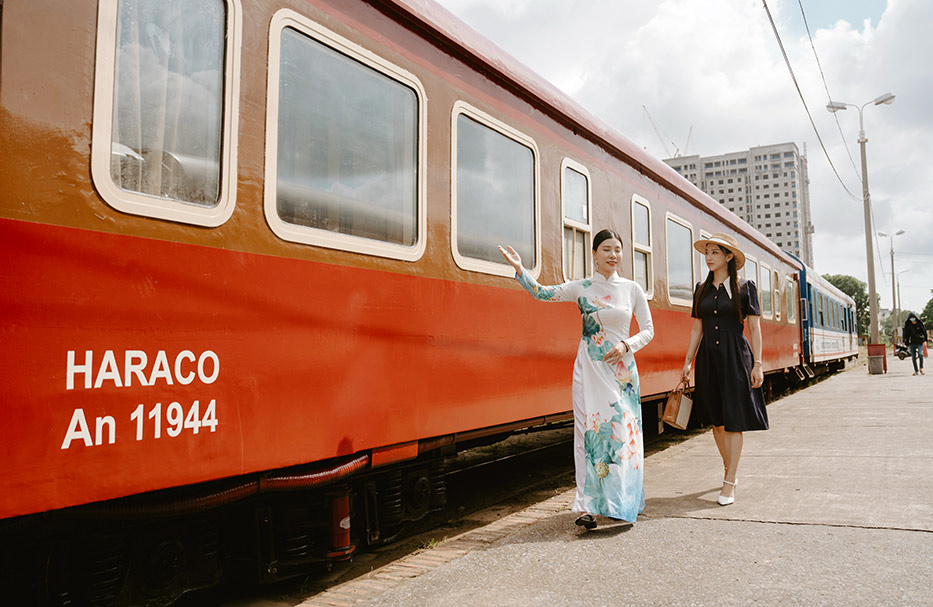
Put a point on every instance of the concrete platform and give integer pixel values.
(834, 506)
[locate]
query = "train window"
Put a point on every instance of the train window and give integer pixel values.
(702, 270)
(642, 262)
(815, 317)
(680, 249)
(751, 271)
(345, 144)
(576, 195)
(820, 313)
(495, 185)
(789, 288)
(165, 108)
(764, 289)
(776, 282)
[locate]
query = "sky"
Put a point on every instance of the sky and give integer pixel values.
(716, 66)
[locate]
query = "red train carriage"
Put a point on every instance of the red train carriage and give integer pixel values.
(250, 277)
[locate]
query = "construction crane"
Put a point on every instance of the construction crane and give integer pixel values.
(662, 138)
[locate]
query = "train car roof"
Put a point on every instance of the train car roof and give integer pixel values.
(814, 277)
(444, 29)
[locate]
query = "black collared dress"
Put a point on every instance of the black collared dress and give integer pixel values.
(724, 361)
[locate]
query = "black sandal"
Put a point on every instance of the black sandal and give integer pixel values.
(586, 521)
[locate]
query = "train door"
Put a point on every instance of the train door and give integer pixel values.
(790, 295)
(806, 315)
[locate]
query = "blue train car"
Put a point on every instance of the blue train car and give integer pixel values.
(828, 327)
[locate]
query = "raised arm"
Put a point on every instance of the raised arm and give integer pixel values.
(514, 259)
(563, 292)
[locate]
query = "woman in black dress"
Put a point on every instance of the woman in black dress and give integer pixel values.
(728, 370)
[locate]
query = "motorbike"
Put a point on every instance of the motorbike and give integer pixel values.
(901, 351)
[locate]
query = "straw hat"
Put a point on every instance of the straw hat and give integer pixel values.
(725, 241)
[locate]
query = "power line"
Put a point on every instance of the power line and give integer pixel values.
(802, 100)
(829, 97)
(816, 131)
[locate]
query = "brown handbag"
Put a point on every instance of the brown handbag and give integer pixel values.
(678, 407)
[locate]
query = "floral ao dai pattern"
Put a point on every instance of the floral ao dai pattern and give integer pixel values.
(608, 446)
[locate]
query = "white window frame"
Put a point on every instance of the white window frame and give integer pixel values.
(667, 267)
(481, 265)
(701, 258)
(789, 283)
(137, 203)
(647, 250)
(762, 268)
(775, 289)
(287, 18)
(565, 164)
(755, 277)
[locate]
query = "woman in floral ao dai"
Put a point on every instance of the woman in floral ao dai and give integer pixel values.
(608, 444)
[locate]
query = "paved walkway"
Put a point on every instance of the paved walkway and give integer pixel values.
(834, 506)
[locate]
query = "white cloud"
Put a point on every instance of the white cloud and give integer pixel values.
(716, 66)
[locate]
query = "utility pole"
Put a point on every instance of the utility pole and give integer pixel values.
(897, 316)
(874, 364)
(895, 308)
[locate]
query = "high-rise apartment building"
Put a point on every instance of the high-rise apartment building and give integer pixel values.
(767, 186)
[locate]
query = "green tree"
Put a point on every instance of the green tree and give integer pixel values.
(887, 327)
(857, 290)
(927, 315)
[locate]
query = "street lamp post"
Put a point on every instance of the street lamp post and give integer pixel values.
(899, 291)
(894, 298)
(835, 106)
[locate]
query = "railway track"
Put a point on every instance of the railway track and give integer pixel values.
(483, 485)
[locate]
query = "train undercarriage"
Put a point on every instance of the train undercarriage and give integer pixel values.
(150, 550)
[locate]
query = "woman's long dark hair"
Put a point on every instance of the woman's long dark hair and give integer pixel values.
(606, 235)
(733, 284)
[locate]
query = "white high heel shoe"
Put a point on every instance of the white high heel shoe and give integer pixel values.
(723, 500)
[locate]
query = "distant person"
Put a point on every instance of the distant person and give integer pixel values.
(915, 335)
(729, 374)
(607, 438)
